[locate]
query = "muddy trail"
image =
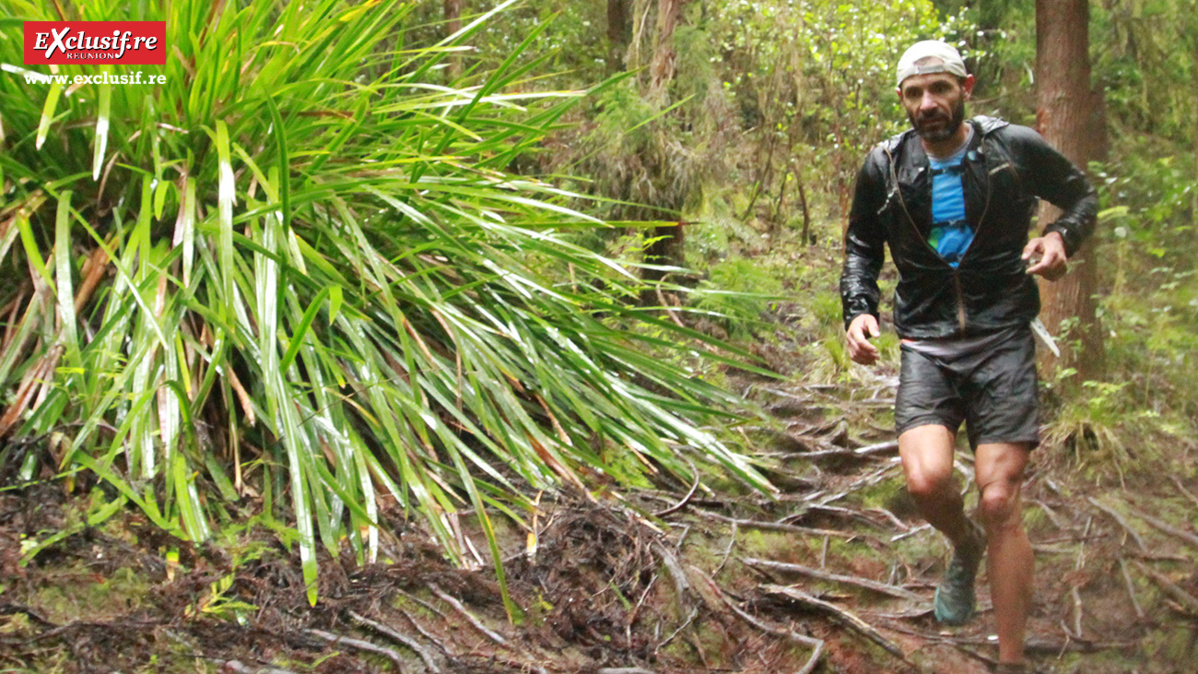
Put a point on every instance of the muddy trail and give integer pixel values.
(835, 576)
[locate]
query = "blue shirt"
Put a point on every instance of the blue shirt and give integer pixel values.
(951, 234)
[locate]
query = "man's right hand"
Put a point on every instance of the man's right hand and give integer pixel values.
(861, 329)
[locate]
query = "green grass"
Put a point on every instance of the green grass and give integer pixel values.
(298, 271)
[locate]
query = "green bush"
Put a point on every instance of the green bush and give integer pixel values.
(298, 270)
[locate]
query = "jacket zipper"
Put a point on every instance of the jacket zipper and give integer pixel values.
(960, 301)
(976, 233)
(960, 293)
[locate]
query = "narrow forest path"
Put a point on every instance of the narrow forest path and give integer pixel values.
(836, 575)
(1115, 550)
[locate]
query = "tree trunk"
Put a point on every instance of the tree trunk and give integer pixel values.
(453, 23)
(668, 248)
(617, 34)
(661, 69)
(1066, 118)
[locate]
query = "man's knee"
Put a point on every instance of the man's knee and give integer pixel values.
(930, 484)
(927, 453)
(999, 505)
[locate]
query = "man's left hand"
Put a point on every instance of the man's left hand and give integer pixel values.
(1047, 256)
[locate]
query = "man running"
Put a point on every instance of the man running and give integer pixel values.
(954, 201)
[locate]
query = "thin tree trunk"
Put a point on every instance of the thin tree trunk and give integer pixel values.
(668, 249)
(661, 69)
(617, 34)
(453, 23)
(1065, 117)
(806, 236)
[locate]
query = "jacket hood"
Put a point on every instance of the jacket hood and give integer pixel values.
(986, 124)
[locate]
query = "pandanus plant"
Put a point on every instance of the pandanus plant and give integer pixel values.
(298, 269)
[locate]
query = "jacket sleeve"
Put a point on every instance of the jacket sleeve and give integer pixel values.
(1055, 179)
(864, 243)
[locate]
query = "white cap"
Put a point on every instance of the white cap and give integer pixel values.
(947, 55)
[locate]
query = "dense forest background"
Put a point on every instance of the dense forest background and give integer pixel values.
(746, 122)
(371, 309)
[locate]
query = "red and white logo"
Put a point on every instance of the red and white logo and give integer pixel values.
(124, 42)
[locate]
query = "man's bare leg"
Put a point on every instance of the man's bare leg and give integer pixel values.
(927, 454)
(999, 472)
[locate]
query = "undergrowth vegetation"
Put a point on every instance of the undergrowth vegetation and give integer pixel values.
(298, 272)
(344, 260)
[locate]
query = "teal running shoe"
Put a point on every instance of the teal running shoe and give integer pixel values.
(955, 599)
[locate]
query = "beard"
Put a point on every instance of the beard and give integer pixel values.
(936, 126)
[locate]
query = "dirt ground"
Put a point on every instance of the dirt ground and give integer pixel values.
(835, 576)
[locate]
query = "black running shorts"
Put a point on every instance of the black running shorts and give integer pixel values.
(992, 390)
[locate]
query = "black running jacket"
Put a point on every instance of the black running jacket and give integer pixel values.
(1005, 169)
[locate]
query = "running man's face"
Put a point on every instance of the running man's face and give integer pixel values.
(935, 104)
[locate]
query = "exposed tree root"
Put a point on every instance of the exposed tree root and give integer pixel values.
(844, 617)
(426, 656)
(873, 586)
(361, 645)
(1187, 601)
(817, 645)
(1165, 527)
(1118, 517)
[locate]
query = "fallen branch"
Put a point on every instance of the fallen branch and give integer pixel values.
(866, 481)
(1131, 590)
(1074, 646)
(777, 526)
(425, 633)
(898, 524)
(1033, 646)
(1077, 612)
(875, 401)
(1150, 557)
(681, 583)
(1187, 600)
(34, 616)
(686, 623)
(681, 504)
(632, 615)
(842, 616)
(874, 586)
(956, 642)
(816, 644)
(359, 645)
(514, 665)
(429, 662)
(728, 551)
(424, 604)
(1052, 515)
(834, 510)
(1115, 515)
(1182, 488)
(1164, 526)
(911, 532)
(891, 446)
(778, 392)
(238, 667)
(475, 622)
(842, 453)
